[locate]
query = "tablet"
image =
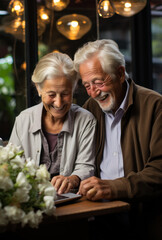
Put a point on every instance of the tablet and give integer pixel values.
(66, 197)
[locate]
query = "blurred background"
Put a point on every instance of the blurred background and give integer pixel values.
(31, 29)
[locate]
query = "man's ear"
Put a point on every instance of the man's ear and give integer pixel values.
(121, 73)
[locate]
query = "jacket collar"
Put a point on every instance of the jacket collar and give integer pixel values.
(132, 89)
(37, 118)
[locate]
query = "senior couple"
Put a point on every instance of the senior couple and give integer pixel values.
(119, 138)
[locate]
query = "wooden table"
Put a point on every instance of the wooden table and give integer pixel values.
(70, 221)
(83, 208)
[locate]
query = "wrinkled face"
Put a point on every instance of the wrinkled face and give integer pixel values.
(100, 86)
(56, 96)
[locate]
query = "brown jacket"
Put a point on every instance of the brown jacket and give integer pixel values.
(141, 142)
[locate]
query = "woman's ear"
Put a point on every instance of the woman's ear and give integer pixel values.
(121, 73)
(38, 89)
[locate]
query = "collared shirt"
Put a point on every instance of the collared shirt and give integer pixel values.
(52, 158)
(112, 162)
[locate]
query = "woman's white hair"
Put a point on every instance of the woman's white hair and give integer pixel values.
(54, 65)
(107, 52)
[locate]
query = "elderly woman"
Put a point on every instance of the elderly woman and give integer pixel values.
(56, 132)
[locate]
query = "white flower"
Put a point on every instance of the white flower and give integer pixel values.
(5, 183)
(3, 155)
(43, 185)
(21, 194)
(25, 190)
(50, 191)
(3, 218)
(42, 174)
(8, 152)
(31, 165)
(49, 205)
(22, 181)
(32, 218)
(18, 162)
(14, 213)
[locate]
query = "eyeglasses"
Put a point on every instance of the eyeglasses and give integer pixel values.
(97, 83)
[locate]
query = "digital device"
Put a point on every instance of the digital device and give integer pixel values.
(66, 197)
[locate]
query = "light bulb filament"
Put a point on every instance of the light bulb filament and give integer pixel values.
(74, 24)
(17, 8)
(127, 6)
(106, 7)
(44, 16)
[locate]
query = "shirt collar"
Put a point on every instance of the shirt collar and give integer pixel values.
(123, 105)
(37, 123)
(68, 123)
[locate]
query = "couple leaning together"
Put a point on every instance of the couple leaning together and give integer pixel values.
(109, 149)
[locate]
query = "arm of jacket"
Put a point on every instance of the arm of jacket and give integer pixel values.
(142, 149)
(78, 154)
(23, 136)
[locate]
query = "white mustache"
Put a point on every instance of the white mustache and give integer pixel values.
(102, 94)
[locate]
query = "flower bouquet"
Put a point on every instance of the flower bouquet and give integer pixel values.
(25, 190)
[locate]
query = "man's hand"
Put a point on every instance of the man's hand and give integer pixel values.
(63, 184)
(95, 189)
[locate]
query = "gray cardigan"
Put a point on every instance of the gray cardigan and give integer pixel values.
(78, 152)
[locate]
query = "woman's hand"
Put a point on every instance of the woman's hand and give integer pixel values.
(63, 184)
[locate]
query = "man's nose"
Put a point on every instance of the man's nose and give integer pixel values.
(94, 92)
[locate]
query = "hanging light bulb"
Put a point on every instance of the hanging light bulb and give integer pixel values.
(44, 14)
(16, 27)
(57, 5)
(105, 9)
(16, 7)
(73, 26)
(128, 8)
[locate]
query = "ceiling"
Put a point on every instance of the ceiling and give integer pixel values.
(74, 3)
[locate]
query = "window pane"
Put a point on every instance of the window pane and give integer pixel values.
(51, 39)
(109, 28)
(12, 68)
(156, 13)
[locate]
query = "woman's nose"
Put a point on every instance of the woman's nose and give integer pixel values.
(58, 101)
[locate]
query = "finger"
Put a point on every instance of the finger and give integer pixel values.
(53, 181)
(69, 187)
(85, 181)
(85, 187)
(58, 183)
(65, 186)
(91, 193)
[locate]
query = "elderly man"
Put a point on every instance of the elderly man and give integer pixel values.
(129, 128)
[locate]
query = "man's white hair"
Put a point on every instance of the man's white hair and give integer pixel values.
(107, 52)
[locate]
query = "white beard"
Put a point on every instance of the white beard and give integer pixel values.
(106, 107)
